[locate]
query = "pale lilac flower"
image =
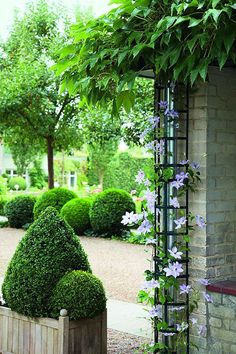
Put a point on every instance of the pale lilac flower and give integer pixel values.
(175, 253)
(195, 165)
(160, 147)
(208, 297)
(154, 121)
(151, 284)
(181, 327)
(173, 269)
(150, 146)
(204, 282)
(145, 227)
(200, 222)
(133, 192)
(177, 184)
(151, 241)
(163, 104)
(171, 113)
(184, 162)
(140, 177)
(168, 334)
(156, 311)
(180, 222)
(130, 218)
(181, 176)
(177, 308)
(150, 198)
(174, 202)
(143, 135)
(185, 289)
(202, 330)
(147, 183)
(193, 320)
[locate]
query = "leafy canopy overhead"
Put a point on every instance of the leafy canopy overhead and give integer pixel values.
(177, 39)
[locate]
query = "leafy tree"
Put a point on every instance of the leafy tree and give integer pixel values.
(29, 91)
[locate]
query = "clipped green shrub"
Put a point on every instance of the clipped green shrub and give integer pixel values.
(107, 210)
(80, 293)
(3, 185)
(76, 213)
(48, 250)
(122, 170)
(19, 210)
(56, 198)
(17, 181)
(37, 175)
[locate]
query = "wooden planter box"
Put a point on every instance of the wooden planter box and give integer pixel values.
(23, 335)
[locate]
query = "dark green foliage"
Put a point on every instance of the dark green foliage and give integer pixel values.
(20, 181)
(76, 213)
(19, 210)
(107, 210)
(48, 250)
(56, 198)
(80, 293)
(122, 170)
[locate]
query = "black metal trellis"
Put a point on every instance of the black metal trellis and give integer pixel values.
(175, 137)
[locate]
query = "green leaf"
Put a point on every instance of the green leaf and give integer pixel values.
(194, 22)
(215, 3)
(214, 13)
(125, 99)
(121, 56)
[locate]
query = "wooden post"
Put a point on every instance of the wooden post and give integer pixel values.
(104, 332)
(63, 333)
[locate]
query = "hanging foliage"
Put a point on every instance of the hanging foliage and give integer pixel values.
(179, 39)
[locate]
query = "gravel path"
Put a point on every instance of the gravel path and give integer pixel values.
(122, 343)
(119, 265)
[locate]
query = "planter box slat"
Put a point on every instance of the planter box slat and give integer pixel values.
(23, 335)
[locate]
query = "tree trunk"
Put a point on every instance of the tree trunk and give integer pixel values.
(50, 162)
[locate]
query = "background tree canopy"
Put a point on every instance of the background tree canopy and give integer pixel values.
(177, 39)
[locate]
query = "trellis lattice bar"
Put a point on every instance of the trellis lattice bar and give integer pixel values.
(174, 134)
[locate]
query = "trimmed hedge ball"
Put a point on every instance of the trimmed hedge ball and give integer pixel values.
(80, 293)
(48, 250)
(56, 198)
(17, 183)
(19, 211)
(76, 213)
(107, 210)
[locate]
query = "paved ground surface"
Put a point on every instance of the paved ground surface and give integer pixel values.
(120, 266)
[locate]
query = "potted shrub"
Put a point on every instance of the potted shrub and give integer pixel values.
(53, 304)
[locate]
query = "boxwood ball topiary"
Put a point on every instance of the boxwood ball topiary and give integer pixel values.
(17, 183)
(19, 211)
(48, 250)
(76, 213)
(56, 198)
(80, 293)
(107, 210)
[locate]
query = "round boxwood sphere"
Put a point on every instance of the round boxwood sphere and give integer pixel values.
(80, 293)
(76, 213)
(17, 183)
(55, 198)
(19, 211)
(107, 210)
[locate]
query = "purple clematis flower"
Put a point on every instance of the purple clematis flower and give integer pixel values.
(171, 113)
(151, 284)
(185, 289)
(151, 241)
(147, 183)
(140, 177)
(173, 269)
(168, 334)
(204, 282)
(156, 311)
(154, 121)
(195, 165)
(175, 253)
(181, 327)
(184, 162)
(145, 227)
(177, 308)
(174, 202)
(163, 104)
(181, 176)
(180, 222)
(208, 297)
(130, 218)
(177, 184)
(200, 222)
(193, 320)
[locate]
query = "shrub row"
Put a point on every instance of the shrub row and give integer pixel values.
(103, 212)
